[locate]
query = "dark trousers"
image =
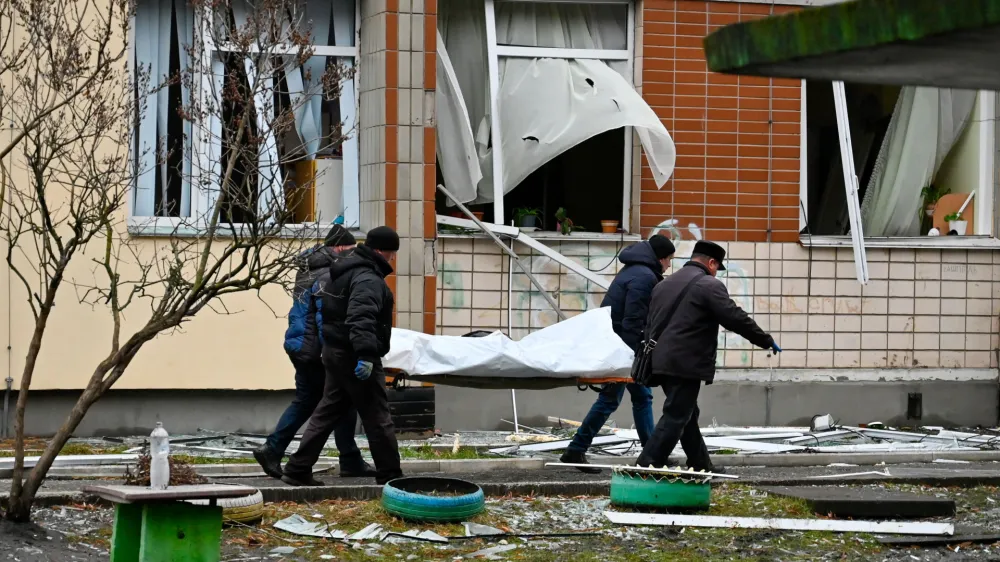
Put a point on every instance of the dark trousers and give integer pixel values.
(607, 402)
(679, 422)
(342, 393)
(309, 380)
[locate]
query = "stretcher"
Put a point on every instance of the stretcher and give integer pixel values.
(580, 351)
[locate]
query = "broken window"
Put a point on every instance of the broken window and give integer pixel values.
(921, 157)
(309, 166)
(552, 81)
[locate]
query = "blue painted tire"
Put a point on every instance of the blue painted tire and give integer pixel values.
(412, 499)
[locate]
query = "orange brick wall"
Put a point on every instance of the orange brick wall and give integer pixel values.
(737, 137)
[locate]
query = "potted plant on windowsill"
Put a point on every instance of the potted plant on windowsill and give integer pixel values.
(527, 219)
(564, 224)
(956, 223)
(930, 194)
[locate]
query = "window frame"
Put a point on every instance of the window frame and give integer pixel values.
(495, 51)
(986, 236)
(201, 141)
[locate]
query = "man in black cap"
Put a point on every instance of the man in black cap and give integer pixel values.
(356, 307)
(628, 298)
(684, 318)
(304, 350)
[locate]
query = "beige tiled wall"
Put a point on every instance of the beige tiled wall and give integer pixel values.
(921, 309)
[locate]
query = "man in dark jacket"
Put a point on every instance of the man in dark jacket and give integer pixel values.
(684, 318)
(356, 306)
(628, 298)
(304, 350)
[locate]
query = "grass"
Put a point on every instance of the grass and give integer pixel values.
(426, 452)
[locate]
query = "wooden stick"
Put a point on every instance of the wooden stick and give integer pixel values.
(646, 469)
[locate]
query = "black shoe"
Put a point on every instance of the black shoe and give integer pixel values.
(383, 480)
(357, 469)
(575, 457)
(301, 480)
(269, 460)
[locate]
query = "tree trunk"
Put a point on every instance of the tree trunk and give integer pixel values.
(20, 507)
(18, 510)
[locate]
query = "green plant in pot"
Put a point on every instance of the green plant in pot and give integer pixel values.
(930, 194)
(564, 224)
(525, 217)
(957, 223)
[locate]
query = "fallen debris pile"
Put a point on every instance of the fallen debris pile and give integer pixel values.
(826, 438)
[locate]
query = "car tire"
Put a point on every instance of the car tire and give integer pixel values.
(246, 509)
(413, 499)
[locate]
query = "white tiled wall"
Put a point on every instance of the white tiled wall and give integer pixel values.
(922, 308)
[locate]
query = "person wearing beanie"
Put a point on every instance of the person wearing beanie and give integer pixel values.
(340, 239)
(628, 298)
(304, 350)
(355, 307)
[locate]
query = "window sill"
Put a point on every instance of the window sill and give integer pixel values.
(176, 230)
(907, 242)
(549, 236)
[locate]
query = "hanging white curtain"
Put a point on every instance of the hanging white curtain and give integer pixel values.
(158, 22)
(456, 144)
(463, 87)
(268, 167)
(305, 86)
(925, 125)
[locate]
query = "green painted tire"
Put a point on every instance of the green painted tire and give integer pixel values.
(412, 499)
(633, 490)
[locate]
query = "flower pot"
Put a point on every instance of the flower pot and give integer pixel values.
(609, 227)
(479, 214)
(529, 221)
(958, 226)
(929, 210)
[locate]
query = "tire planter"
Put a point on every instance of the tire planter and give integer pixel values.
(248, 509)
(648, 491)
(414, 499)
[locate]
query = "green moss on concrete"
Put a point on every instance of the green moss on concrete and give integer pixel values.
(857, 25)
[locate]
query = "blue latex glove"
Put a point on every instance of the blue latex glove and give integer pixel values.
(363, 370)
(775, 348)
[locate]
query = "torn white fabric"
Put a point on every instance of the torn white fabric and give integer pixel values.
(548, 106)
(588, 348)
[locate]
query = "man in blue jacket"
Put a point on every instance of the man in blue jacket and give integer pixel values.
(303, 346)
(628, 297)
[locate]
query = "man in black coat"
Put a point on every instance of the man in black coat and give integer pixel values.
(356, 306)
(305, 351)
(628, 298)
(684, 318)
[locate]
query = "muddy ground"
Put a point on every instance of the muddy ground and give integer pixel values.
(83, 532)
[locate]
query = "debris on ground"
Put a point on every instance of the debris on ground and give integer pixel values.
(181, 472)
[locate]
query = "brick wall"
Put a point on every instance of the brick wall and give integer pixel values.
(737, 138)
(397, 145)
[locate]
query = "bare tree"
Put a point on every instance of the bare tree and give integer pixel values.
(76, 164)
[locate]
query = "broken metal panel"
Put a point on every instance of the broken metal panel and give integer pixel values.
(917, 42)
(830, 525)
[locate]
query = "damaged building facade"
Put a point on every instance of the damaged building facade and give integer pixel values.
(609, 119)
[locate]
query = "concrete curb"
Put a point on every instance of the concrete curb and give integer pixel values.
(491, 489)
(774, 460)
